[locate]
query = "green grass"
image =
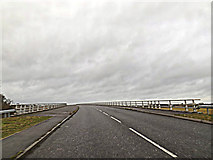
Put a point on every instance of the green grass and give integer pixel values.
(197, 116)
(203, 110)
(12, 125)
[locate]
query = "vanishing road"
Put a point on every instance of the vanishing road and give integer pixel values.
(104, 132)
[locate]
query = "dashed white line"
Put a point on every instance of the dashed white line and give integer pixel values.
(116, 119)
(105, 113)
(99, 110)
(155, 144)
(147, 139)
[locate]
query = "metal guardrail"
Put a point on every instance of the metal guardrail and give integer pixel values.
(206, 106)
(7, 113)
(158, 104)
(20, 109)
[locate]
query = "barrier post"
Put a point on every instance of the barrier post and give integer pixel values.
(159, 105)
(170, 105)
(207, 110)
(186, 106)
(194, 106)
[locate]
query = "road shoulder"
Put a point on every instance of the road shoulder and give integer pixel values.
(164, 113)
(17, 143)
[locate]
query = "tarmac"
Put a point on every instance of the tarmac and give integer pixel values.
(168, 113)
(18, 142)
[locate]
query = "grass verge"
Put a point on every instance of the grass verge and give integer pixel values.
(197, 116)
(12, 125)
(203, 110)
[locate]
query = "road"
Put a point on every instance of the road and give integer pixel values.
(21, 140)
(104, 132)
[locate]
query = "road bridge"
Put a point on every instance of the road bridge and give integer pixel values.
(107, 132)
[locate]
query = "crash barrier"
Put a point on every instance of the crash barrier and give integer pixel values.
(20, 109)
(7, 113)
(170, 104)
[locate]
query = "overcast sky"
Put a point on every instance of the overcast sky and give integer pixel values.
(82, 51)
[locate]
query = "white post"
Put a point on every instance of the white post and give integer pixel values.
(16, 108)
(151, 105)
(155, 104)
(170, 105)
(159, 105)
(186, 106)
(194, 106)
(30, 108)
(20, 109)
(24, 109)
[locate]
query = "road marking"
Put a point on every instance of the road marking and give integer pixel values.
(105, 113)
(116, 119)
(155, 144)
(41, 138)
(99, 110)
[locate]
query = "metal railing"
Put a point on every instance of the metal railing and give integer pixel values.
(170, 104)
(30, 108)
(208, 107)
(20, 109)
(7, 113)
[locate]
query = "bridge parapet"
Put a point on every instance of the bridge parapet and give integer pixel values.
(19, 109)
(169, 104)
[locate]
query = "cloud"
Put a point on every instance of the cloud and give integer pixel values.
(94, 51)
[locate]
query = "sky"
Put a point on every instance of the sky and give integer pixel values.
(99, 50)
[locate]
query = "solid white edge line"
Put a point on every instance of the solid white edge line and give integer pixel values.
(155, 144)
(116, 119)
(41, 138)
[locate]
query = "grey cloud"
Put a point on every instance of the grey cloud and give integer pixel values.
(87, 51)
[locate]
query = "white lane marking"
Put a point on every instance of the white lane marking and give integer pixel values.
(105, 113)
(41, 138)
(155, 144)
(116, 119)
(98, 110)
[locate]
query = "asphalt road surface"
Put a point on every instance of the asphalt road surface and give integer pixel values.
(104, 132)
